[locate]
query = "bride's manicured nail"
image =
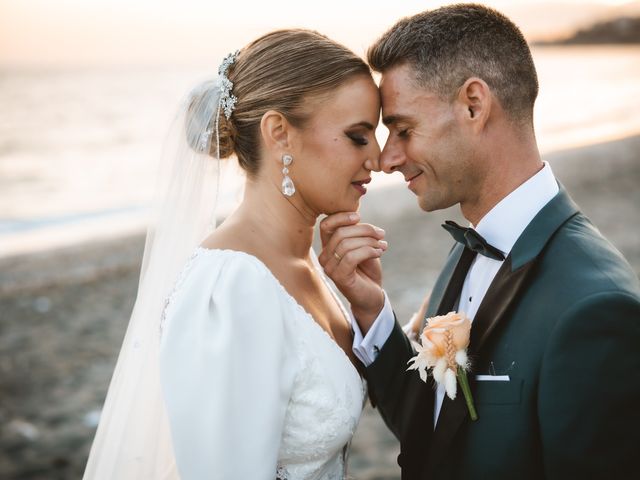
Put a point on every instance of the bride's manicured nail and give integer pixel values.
(384, 244)
(354, 217)
(378, 230)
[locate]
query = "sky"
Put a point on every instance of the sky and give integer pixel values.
(174, 32)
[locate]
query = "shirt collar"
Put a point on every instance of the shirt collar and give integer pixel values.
(505, 222)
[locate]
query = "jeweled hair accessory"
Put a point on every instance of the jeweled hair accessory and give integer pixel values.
(227, 99)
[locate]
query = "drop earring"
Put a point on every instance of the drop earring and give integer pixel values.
(288, 188)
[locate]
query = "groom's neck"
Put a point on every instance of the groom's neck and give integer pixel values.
(510, 160)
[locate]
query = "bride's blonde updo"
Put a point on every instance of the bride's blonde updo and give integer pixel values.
(280, 71)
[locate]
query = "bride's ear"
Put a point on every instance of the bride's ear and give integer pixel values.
(276, 131)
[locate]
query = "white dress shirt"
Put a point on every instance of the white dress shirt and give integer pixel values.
(501, 227)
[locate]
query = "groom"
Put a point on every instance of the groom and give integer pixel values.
(555, 308)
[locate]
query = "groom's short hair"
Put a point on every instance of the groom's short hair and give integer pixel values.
(448, 45)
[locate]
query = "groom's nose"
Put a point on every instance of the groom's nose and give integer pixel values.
(391, 158)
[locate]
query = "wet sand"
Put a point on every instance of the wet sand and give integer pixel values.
(63, 314)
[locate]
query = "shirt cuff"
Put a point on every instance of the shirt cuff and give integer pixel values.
(366, 348)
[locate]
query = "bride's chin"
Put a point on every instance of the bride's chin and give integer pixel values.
(348, 206)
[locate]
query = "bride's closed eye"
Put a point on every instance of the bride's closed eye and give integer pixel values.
(359, 140)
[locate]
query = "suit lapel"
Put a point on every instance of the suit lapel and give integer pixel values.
(503, 293)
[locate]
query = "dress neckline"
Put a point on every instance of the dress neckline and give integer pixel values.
(290, 297)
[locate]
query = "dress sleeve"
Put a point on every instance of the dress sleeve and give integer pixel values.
(227, 371)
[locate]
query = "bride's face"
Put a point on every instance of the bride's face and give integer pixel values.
(337, 148)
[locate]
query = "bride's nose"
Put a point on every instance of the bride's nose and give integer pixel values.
(372, 162)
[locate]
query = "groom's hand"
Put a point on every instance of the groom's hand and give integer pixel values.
(351, 258)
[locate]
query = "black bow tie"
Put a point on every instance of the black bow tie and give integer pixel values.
(472, 240)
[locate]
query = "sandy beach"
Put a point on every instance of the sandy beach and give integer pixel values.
(63, 314)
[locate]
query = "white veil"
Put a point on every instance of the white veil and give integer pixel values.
(133, 439)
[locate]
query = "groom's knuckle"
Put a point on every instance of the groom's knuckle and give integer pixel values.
(371, 231)
(338, 220)
(349, 244)
(349, 257)
(338, 235)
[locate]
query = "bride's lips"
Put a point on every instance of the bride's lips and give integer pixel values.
(359, 185)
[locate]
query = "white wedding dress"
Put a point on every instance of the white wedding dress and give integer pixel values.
(253, 386)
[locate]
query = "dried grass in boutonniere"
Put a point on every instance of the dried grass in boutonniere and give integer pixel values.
(445, 340)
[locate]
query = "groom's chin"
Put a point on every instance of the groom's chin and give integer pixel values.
(425, 206)
(431, 205)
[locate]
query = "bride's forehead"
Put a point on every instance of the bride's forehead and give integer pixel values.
(340, 117)
(350, 97)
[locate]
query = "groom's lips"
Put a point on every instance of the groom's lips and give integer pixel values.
(359, 185)
(410, 179)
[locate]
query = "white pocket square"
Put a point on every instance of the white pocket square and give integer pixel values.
(492, 378)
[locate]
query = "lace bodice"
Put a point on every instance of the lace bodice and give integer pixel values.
(254, 387)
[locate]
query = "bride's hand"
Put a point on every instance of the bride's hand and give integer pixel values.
(351, 258)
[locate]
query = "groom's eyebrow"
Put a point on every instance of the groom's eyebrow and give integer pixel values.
(391, 119)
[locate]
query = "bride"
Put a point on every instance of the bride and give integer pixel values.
(253, 376)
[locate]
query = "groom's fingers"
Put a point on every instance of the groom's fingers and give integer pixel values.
(334, 242)
(330, 258)
(349, 238)
(342, 271)
(329, 224)
(349, 244)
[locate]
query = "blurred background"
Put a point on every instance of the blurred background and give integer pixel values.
(87, 91)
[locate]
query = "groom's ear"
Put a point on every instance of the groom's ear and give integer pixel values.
(276, 131)
(476, 101)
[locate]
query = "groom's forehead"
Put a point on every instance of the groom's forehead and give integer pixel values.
(402, 101)
(403, 74)
(401, 84)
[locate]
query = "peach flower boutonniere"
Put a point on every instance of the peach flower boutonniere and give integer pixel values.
(445, 340)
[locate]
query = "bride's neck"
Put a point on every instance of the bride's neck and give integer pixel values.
(282, 223)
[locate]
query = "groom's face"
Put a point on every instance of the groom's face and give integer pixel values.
(427, 140)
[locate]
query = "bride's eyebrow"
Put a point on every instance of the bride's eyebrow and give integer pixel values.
(366, 125)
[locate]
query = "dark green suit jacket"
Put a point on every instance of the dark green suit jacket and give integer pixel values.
(562, 320)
